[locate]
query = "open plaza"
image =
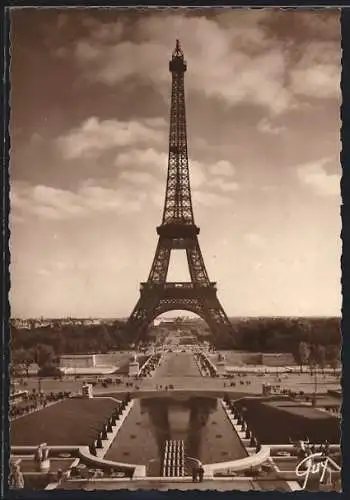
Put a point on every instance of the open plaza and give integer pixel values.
(245, 427)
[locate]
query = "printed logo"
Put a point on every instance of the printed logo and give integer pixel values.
(316, 464)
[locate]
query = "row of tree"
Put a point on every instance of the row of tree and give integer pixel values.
(43, 355)
(284, 334)
(45, 345)
(317, 355)
(69, 339)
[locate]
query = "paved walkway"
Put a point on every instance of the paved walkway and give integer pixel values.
(218, 485)
(175, 364)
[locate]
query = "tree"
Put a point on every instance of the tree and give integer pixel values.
(45, 355)
(321, 354)
(313, 360)
(22, 359)
(17, 358)
(313, 357)
(303, 354)
(333, 356)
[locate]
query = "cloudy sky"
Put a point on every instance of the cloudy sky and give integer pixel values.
(90, 107)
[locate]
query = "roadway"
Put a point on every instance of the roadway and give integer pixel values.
(164, 485)
(174, 364)
(180, 370)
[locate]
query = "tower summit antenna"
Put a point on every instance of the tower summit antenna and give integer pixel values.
(179, 232)
(178, 51)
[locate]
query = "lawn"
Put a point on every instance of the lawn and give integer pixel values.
(74, 421)
(296, 409)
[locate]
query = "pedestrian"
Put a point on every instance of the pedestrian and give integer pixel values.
(201, 473)
(326, 448)
(194, 475)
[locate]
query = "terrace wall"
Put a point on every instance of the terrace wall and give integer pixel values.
(77, 361)
(277, 359)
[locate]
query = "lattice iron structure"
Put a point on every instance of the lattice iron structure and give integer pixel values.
(179, 232)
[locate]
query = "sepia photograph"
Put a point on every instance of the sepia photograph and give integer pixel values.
(175, 249)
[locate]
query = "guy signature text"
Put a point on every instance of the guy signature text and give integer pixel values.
(313, 464)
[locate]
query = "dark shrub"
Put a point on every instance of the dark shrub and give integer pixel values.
(50, 371)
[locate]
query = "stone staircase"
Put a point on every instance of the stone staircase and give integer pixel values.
(174, 459)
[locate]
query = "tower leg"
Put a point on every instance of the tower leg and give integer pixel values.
(141, 317)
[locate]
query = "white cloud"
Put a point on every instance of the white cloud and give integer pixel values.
(253, 63)
(146, 160)
(209, 199)
(91, 198)
(222, 168)
(56, 201)
(269, 188)
(57, 204)
(111, 32)
(153, 165)
(36, 138)
(150, 166)
(266, 126)
(324, 25)
(157, 196)
(62, 20)
(94, 136)
(198, 173)
(137, 177)
(255, 240)
(315, 176)
(224, 185)
(249, 66)
(317, 73)
(43, 272)
(320, 81)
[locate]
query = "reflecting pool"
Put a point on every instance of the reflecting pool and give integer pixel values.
(200, 422)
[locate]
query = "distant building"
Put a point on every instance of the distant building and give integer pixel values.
(164, 321)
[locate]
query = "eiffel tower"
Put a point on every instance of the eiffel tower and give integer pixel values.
(178, 231)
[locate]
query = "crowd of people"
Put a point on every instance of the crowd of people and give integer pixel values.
(32, 401)
(205, 365)
(148, 368)
(233, 384)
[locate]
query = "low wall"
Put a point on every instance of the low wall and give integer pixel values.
(135, 470)
(183, 394)
(277, 359)
(242, 463)
(77, 361)
(83, 452)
